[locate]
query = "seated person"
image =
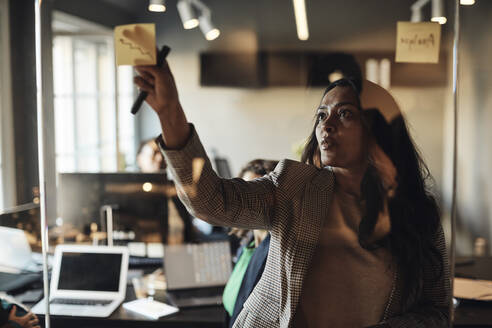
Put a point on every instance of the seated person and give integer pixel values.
(12, 317)
(252, 256)
(150, 160)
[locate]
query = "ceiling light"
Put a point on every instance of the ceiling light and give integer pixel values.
(208, 29)
(301, 19)
(440, 19)
(438, 12)
(467, 2)
(416, 15)
(147, 187)
(157, 5)
(187, 14)
(417, 10)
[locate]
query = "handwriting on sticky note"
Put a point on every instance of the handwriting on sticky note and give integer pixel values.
(135, 44)
(417, 42)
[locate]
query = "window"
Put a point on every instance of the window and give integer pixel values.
(94, 130)
(379, 71)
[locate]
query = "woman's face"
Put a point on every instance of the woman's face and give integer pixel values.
(339, 130)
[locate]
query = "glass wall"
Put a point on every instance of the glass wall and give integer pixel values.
(474, 187)
(257, 91)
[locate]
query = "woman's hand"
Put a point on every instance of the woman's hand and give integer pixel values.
(30, 320)
(162, 96)
(159, 84)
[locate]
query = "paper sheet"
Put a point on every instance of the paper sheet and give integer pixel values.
(418, 42)
(150, 308)
(135, 44)
(473, 289)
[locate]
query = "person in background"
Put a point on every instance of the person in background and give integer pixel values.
(11, 318)
(356, 238)
(149, 158)
(252, 256)
(178, 226)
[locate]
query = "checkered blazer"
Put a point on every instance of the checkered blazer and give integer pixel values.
(291, 203)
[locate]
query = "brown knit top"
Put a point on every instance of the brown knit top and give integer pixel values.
(347, 285)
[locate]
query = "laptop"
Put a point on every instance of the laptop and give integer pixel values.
(16, 255)
(87, 281)
(17, 266)
(197, 273)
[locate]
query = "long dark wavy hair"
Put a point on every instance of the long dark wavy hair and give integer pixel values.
(413, 211)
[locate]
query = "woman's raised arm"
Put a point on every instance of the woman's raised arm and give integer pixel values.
(162, 96)
(219, 201)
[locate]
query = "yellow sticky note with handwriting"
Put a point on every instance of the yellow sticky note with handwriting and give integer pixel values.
(417, 42)
(135, 44)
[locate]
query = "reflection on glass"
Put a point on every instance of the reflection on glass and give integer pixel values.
(95, 133)
(139, 212)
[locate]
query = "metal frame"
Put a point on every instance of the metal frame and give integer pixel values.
(7, 153)
(452, 252)
(41, 154)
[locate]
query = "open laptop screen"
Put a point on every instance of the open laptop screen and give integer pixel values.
(197, 265)
(90, 271)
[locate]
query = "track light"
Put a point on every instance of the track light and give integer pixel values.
(417, 10)
(301, 19)
(187, 14)
(416, 15)
(438, 12)
(157, 5)
(208, 29)
(188, 10)
(467, 2)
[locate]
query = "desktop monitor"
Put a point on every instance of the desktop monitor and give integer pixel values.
(222, 167)
(139, 200)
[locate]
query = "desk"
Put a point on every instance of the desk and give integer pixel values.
(206, 317)
(468, 314)
(474, 314)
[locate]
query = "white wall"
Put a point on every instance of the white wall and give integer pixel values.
(244, 124)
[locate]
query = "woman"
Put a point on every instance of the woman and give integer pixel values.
(352, 199)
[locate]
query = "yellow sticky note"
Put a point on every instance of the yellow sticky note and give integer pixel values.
(417, 42)
(135, 44)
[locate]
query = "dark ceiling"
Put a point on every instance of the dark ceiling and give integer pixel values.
(271, 20)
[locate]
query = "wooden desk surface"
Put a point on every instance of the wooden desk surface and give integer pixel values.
(206, 317)
(469, 313)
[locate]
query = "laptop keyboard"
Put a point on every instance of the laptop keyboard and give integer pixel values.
(70, 301)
